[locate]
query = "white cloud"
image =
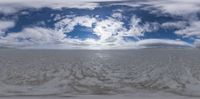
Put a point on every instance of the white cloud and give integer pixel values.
(118, 15)
(174, 25)
(8, 9)
(109, 30)
(32, 36)
(185, 9)
(136, 29)
(162, 42)
(43, 38)
(175, 7)
(21, 1)
(67, 25)
(13, 6)
(112, 30)
(191, 30)
(129, 3)
(4, 25)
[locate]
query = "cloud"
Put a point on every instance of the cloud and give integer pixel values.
(67, 25)
(175, 7)
(56, 1)
(186, 10)
(4, 25)
(162, 43)
(31, 37)
(44, 38)
(118, 15)
(174, 25)
(138, 28)
(180, 7)
(13, 6)
(197, 43)
(110, 30)
(191, 30)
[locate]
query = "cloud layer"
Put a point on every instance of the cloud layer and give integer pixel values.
(163, 43)
(119, 29)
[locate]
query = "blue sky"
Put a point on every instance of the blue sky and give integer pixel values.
(99, 24)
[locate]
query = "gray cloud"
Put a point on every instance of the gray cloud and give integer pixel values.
(197, 43)
(162, 43)
(13, 6)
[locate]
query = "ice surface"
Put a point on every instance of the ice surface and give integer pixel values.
(119, 72)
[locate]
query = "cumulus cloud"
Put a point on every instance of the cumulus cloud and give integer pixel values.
(118, 15)
(113, 30)
(67, 25)
(4, 25)
(192, 30)
(13, 6)
(110, 30)
(175, 7)
(178, 7)
(187, 10)
(21, 1)
(32, 36)
(162, 43)
(137, 29)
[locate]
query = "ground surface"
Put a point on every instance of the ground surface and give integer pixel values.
(79, 74)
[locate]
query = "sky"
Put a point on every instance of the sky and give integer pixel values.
(99, 24)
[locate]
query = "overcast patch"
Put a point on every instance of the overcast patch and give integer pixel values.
(162, 43)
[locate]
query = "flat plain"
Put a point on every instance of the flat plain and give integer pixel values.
(144, 73)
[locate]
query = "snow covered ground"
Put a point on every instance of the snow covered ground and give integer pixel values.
(85, 74)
